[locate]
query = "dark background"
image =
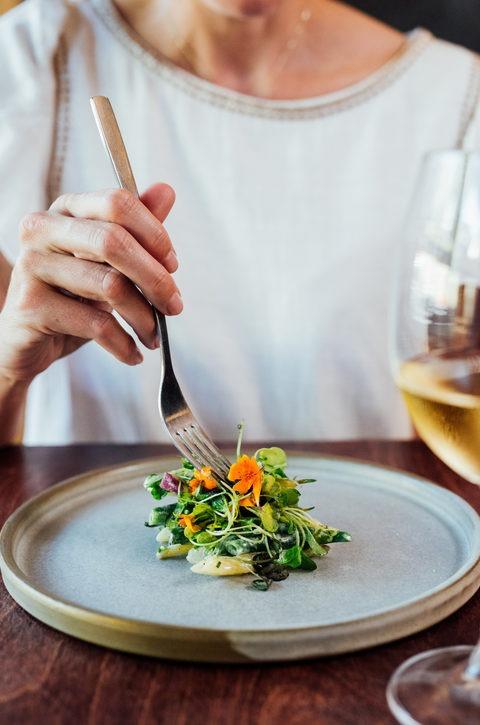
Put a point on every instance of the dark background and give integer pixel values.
(455, 20)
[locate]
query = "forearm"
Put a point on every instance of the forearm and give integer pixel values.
(13, 397)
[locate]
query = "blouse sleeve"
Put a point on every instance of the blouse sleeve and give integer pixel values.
(29, 37)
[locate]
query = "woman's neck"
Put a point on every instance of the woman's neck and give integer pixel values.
(302, 48)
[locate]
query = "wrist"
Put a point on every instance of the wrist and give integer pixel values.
(12, 384)
(13, 396)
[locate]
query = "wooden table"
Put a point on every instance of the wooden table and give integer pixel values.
(48, 677)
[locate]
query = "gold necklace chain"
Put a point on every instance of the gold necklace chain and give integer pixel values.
(284, 54)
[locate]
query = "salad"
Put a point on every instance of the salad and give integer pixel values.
(251, 523)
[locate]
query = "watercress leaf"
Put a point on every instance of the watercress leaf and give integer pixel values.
(286, 483)
(261, 585)
(178, 535)
(289, 497)
(313, 544)
(267, 518)
(160, 515)
(291, 557)
(184, 474)
(286, 541)
(272, 457)
(152, 479)
(342, 536)
(235, 546)
(306, 563)
(219, 503)
(291, 527)
(203, 511)
(270, 487)
(326, 535)
(152, 484)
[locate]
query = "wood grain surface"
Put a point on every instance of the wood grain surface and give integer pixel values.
(48, 677)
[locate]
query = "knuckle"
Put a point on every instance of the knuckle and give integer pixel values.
(163, 285)
(120, 203)
(110, 240)
(64, 201)
(102, 325)
(161, 240)
(31, 225)
(114, 286)
(26, 262)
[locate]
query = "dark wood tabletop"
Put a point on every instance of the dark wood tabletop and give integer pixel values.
(48, 677)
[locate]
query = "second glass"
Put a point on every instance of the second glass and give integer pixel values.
(436, 363)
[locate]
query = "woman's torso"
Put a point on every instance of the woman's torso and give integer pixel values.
(287, 221)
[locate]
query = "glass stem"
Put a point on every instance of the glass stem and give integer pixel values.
(472, 671)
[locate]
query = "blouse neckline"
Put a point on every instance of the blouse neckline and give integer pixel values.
(235, 101)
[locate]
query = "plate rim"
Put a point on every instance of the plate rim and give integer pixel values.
(19, 581)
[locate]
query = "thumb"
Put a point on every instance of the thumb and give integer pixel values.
(159, 199)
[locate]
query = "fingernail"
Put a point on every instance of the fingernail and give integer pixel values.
(171, 262)
(137, 357)
(175, 304)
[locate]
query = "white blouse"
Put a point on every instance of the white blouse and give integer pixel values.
(287, 219)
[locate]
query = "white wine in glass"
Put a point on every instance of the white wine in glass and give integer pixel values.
(436, 364)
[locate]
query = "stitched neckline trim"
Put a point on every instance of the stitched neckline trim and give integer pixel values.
(234, 101)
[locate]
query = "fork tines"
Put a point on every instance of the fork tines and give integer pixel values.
(200, 450)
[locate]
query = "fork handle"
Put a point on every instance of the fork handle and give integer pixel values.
(113, 142)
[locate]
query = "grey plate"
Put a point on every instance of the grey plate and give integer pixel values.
(79, 558)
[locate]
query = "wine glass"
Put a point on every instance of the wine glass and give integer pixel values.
(436, 363)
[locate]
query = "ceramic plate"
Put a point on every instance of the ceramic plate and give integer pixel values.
(78, 557)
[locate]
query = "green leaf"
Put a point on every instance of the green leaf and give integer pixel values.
(267, 518)
(291, 557)
(326, 535)
(272, 458)
(306, 563)
(178, 535)
(341, 536)
(289, 497)
(307, 480)
(160, 515)
(203, 537)
(186, 464)
(270, 487)
(234, 546)
(315, 547)
(184, 474)
(203, 511)
(152, 485)
(261, 585)
(152, 479)
(219, 503)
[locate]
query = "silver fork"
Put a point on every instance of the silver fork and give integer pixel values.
(187, 434)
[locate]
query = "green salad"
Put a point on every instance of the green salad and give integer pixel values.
(251, 523)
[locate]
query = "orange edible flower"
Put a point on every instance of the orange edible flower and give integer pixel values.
(248, 501)
(202, 477)
(186, 521)
(248, 477)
